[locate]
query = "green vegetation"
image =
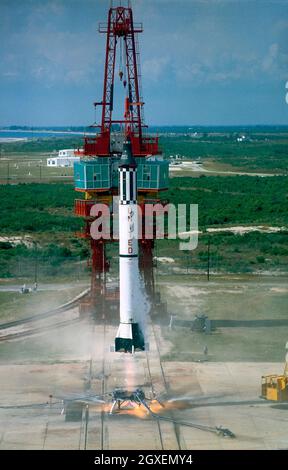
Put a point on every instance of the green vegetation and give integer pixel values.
(67, 259)
(246, 253)
(39, 145)
(15, 305)
(37, 208)
(44, 212)
(263, 149)
(232, 200)
(258, 153)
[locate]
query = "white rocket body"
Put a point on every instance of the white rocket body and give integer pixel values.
(129, 336)
(128, 261)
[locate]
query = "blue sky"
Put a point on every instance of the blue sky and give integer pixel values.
(205, 62)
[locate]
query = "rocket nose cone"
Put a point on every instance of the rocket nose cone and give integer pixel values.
(127, 157)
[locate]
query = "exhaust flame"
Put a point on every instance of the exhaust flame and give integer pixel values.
(130, 371)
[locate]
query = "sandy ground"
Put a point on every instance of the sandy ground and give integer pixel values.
(74, 359)
(254, 300)
(209, 393)
(194, 167)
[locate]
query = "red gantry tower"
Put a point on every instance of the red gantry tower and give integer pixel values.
(96, 175)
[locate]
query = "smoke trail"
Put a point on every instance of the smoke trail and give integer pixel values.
(142, 304)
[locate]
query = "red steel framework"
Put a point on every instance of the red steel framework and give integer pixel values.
(120, 27)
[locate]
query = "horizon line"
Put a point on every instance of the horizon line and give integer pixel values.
(7, 126)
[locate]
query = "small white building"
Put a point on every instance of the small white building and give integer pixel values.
(65, 158)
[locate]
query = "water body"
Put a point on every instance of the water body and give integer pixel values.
(13, 132)
(9, 135)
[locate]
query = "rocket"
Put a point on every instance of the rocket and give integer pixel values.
(129, 335)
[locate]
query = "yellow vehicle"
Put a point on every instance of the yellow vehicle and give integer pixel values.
(275, 387)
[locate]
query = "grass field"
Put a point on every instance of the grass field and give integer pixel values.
(32, 168)
(262, 150)
(41, 216)
(15, 306)
(258, 153)
(234, 299)
(44, 212)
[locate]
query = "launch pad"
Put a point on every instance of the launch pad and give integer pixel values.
(79, 368)
(124, 398)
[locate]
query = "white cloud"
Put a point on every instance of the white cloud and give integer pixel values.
(61, 56)
(153, 68)
(10, 74)
(44, 47)
(270, 59)
(275, 62)
(196, 46)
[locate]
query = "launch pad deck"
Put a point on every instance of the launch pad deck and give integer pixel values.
(206, 393)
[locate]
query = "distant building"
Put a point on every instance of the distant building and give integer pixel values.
(65, 158)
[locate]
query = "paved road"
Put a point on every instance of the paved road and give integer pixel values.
(43, 287)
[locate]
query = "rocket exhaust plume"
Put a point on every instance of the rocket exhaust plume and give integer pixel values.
(129, 336)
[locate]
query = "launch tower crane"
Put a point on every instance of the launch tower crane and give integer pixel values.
(96, 175)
